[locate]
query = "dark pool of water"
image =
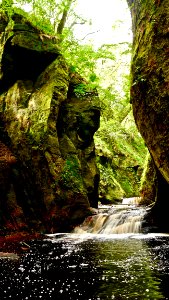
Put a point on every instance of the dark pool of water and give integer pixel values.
(89, 267)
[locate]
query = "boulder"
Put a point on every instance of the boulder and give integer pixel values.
(50, 178)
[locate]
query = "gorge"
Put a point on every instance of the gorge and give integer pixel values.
(49, 178)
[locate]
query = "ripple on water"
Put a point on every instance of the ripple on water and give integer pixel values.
(70, 266)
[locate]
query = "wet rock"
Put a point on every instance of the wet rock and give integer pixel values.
(8, 255)
(149, 93)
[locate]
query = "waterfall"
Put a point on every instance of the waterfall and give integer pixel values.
(117, 220)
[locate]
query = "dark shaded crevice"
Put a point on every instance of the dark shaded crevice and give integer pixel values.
(4, 137)
(60, 122)
(161, 207)
(88, 123)
(156, 219)
(19, 63)
(93, 193)
(28, 196)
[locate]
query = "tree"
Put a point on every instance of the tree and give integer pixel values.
(62, 22)
(7, 6)
(149, 91)
(49, 12)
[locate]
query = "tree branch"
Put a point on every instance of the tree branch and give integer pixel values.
(89, 34)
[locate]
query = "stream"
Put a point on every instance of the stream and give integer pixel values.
(90, 264)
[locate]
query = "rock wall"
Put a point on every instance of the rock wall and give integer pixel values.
(150, 91)
(49, 178)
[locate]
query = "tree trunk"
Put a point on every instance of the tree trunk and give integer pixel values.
(63, 19)
(150, 88)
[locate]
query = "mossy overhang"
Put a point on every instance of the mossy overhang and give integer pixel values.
(25, 57)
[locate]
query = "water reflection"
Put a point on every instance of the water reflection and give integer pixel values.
(89, 267)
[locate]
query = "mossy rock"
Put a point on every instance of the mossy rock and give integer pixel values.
(148, 182)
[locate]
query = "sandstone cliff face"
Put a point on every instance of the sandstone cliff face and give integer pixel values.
(150, 91)
(49, 177)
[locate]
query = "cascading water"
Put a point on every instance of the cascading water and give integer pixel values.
(118, 219)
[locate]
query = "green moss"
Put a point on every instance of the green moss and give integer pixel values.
(80, 90)
(71, 177)
(34, 42)
(126, 184)
(148, 182)
(109, 188)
